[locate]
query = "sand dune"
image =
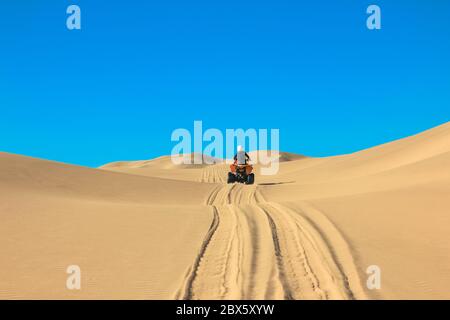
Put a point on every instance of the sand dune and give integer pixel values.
(164, 167)
(114, 226)
(151, 229)
(391, 203)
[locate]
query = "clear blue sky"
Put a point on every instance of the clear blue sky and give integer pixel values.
(139, 69)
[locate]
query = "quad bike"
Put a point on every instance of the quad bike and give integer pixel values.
(241, 174)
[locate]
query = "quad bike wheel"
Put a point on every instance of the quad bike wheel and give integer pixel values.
(250, 178)
(231, 178)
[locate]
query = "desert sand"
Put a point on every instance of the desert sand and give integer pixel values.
(154, 230)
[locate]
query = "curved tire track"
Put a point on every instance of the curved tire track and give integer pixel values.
(256, 249)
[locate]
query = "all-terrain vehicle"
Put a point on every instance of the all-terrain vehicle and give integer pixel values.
(241, 174)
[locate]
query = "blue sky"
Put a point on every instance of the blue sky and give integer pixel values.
(137, 70)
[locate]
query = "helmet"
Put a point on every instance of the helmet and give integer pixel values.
(240, 148)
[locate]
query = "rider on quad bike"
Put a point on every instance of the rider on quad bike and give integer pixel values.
(241, 171)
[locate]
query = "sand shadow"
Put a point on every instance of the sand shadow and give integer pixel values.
(274, 183)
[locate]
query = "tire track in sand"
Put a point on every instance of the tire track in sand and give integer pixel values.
(256, 249)
(187, 294)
